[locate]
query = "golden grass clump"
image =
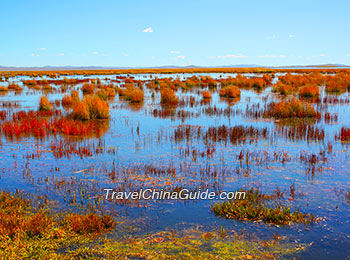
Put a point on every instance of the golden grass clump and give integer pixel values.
(133, 94)
(3, 89)
(45, 105)
(81, 111)
(110, 92)
(75, 96)
(309, 91)
(168, 96)
(283, 89)
(67, 100)
(88, 88)
(230, 91)
(293, 108)
(91, 107)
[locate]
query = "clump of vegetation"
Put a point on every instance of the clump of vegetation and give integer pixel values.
(75, 96)
(290, 109)
(309, 91)
(282, 88)
(67, 100)
(344, 135)
(45, 104)
(258, 207)
(90, 223)
(133, 94)
(206, 95)
(88, 88)
(110, 92)
(91, 107)
(168, 97)
(3, 89)
(27, 232)
(81, 111)
(230, 92)
(14, 86)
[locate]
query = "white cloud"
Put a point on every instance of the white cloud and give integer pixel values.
(292, 36)
(148, 30)
(268, 56)
(175, 52)
(126, 54)
(60, 54)
(348, 54)
(232, 56)
(95, 53)
(180, 57)
(42, 49)
(322, 55)
(34, 55)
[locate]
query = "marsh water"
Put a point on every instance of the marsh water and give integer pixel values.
(149, 146)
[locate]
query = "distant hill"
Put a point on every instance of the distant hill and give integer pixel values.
(48, 68)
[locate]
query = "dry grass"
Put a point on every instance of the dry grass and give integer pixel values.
(44, 104)
(309, 91)
(230, 92)
(168, 97)
(91, 107)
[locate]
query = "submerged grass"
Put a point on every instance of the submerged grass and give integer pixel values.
(258, 207)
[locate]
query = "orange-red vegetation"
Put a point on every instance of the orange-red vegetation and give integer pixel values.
(44, 104)
(14, 86)
(230, 92)
(344, 134)
(192, 82)
(81, 111)
(88, 88)
(244, 82)
(75, 96)
(91, 107)
(39, 124)
(64, 81)
(309, 91)
(283, 89)
(293, 108)
(132, 93)
(14, 218)
(208, 82)
(168, 97)
(206, 94)
(67, 100)
(91, 223)
(300, 80)
(110, 92)
(98, 108)
(3, 89)
(338, 83)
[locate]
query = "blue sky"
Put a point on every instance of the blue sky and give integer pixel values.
(156, 33)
